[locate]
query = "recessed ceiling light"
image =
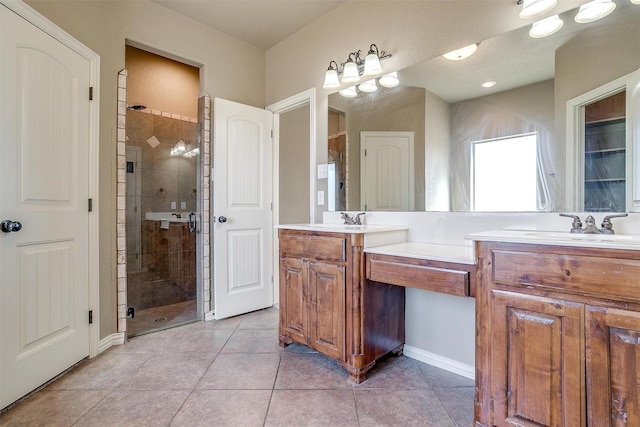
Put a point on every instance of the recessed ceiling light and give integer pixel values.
(488, 84)
(462, 53)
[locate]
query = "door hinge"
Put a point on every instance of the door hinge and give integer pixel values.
(271, 133)
(90, 316)
(91, 93)
(365, 153)
(90, 205)
(271, 206)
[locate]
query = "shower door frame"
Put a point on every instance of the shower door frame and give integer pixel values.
(203, 251)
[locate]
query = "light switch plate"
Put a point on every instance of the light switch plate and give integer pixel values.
(320, 198)
(322, 171)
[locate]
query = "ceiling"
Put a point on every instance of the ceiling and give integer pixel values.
(262, 23)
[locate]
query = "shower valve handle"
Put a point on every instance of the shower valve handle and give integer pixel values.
(222, 219)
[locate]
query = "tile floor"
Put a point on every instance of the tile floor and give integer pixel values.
(232, 373)
(163, 317)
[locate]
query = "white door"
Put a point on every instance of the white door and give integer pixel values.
(44, 140)
(242, 208)
(387, 182)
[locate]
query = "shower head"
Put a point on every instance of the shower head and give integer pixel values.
(136, 107)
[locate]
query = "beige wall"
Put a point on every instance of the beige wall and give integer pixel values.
(231, 69)
(161, 83)
(294, 166)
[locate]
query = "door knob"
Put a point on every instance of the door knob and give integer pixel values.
(7, 226)
(222, 219)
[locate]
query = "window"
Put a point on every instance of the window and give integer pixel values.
(504, 174)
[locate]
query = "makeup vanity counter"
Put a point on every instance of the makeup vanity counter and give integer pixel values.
(342, 288)
(557, 329)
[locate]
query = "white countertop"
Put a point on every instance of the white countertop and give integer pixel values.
(344, 228)
(560, 238)
(431, 251)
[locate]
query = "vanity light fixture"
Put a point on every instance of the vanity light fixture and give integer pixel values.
(535, 8)
(488, 84)
(546, 27)
(353, 66)
(462, 53)
(594, 10)
(368, 86)
(349, 92)
(331, 80)
(389, 80)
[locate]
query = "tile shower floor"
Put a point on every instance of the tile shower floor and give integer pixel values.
(163, 317)
(232, 373)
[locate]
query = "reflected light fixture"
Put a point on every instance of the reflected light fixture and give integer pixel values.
(192, 153)
(349, 92)
(594, 10)
(389, 80)
(635, 1)
(350, 70)
(488, 84)
(462, 53)
(546, 27)
(368, 86)
(535, 8)
(179, 149)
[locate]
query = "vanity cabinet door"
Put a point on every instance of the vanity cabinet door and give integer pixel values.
(327, 293)
(294, 311)
(537, 362)
(613, 367)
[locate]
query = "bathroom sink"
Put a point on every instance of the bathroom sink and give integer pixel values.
(345, 228)
(558, 235)
(166, 216)
(562, 238)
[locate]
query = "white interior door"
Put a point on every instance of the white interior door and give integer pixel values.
(44, 157)
(387, 182)
(242, 208)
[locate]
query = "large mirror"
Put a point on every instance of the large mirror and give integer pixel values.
(440, 117)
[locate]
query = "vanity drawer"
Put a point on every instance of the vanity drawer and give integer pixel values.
(611, 278)
(331, 248)
(407, 272)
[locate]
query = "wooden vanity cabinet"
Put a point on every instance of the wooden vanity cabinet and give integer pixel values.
(558, 336)
(326, 305)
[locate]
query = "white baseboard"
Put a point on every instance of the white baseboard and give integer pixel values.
(209, 316)
(111, 340)
(467, 371)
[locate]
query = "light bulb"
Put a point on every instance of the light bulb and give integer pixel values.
(389, 80)
(534, 8)
(350, 72)
(368, 86)
(349, 92)
(462, 53)
(546, 27)
(594, 10)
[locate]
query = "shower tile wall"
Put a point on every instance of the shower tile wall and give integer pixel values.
(161, 260)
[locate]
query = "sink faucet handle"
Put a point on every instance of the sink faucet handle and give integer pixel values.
(576, 226)
(357, 219)
(347, 218)
(607, 226)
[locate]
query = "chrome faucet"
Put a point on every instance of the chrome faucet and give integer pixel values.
(352, 220)
(590, 224)
(177, 214)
